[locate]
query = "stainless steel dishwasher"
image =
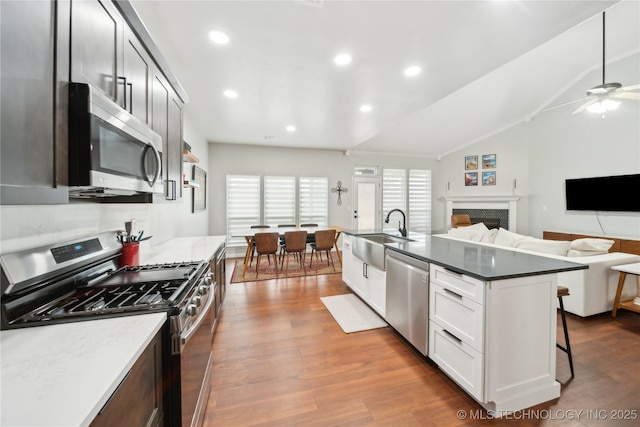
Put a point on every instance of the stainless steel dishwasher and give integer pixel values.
(408, 298)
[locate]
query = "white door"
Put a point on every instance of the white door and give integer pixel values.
(367, 203)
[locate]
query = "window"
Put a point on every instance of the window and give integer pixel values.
(279, 200)
(409, 191)
(243, 204)
(314, 207)
(273, 200)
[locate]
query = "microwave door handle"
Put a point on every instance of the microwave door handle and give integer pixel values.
(158, 161)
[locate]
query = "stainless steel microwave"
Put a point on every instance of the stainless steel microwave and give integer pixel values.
(111, 153)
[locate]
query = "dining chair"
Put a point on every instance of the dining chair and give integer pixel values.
(282, 237)
(267, 244)
(296, 244)
(310, 237)
(253, 242)
(325, 240)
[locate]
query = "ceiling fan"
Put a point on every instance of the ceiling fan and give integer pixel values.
(600, 99)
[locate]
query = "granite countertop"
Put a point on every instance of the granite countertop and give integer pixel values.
(483, 262)
(62, 375)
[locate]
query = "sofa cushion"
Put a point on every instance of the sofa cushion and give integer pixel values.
(576, 253)
(507, 238)
(592, 244)
(459, 233)
(554, 247)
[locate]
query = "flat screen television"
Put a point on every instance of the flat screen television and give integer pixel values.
(619, 193)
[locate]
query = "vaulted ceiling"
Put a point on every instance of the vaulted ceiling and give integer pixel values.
(485, 65)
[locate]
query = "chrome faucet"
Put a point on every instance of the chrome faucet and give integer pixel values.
(403, 229)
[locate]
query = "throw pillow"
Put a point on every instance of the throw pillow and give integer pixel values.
(592, 244)
(507, 238)
(577, 253)
(553, 247)
(476, 230)
(489, 236)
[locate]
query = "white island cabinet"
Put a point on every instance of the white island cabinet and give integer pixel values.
(365, 280)
(496, 339)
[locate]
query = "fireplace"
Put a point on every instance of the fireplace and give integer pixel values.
(492, 218)
(493, 211)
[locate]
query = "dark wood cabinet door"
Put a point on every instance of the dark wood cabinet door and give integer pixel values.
(175, 145)
(159, 122)
(138, 401)
(29, 169)
(96, 47)
(137, 69)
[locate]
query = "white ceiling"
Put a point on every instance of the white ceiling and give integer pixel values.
(485, 66)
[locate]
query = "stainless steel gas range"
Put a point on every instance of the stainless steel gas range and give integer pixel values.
(80, 280)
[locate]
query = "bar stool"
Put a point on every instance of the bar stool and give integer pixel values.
(564, 292)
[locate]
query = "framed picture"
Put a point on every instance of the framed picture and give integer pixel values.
(471, 162)
(470, 178)
(488, 161)
(199, 199)
(489, 178)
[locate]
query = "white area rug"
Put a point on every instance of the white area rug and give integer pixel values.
(352, 314)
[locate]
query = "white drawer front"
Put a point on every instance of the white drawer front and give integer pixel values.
(459, 283)
(458, 360)
(460, 316)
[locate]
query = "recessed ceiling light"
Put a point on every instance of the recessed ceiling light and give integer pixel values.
(365, 108)
(219, 37)
(291, 128)
(342, 59)
(230, 93)
(412, 71)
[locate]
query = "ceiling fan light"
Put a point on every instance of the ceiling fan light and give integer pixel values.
(603, 106)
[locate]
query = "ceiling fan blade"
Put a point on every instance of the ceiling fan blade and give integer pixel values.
(632, 87)
(585, 105)
(628, 95)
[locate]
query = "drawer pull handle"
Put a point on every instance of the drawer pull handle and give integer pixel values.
(452, 272)
(453, 293)
(453, 337)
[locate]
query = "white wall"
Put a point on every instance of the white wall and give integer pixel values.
(23, 227)
(557, 145)
(251, 159)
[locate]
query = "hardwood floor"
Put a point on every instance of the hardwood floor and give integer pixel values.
(281, 360)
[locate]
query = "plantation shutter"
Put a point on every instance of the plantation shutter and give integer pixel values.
(394, 190)
(243, 204)
(314, 200)
(420, 201)
(279, 200)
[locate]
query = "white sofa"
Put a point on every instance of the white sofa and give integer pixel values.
(592, 291)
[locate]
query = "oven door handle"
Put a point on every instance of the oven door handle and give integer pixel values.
(184, 337)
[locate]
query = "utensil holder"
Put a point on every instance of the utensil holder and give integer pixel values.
(130, 254)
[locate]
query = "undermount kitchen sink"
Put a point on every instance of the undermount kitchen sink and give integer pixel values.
(370, 247)
(384, 238)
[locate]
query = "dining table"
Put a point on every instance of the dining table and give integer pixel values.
(250, 233)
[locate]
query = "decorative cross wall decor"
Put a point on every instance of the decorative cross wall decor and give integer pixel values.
(339, 189)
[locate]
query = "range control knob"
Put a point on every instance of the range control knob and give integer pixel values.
(203, 290)
(197, 300)
(192, 310)
(207, 279)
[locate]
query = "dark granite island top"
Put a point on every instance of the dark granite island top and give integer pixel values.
(481, 261)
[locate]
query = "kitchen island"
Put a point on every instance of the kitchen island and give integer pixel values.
(490, 313)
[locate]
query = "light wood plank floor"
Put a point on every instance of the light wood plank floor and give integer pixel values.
(281, 360)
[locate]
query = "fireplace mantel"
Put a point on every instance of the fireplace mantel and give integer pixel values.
(508, 202)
